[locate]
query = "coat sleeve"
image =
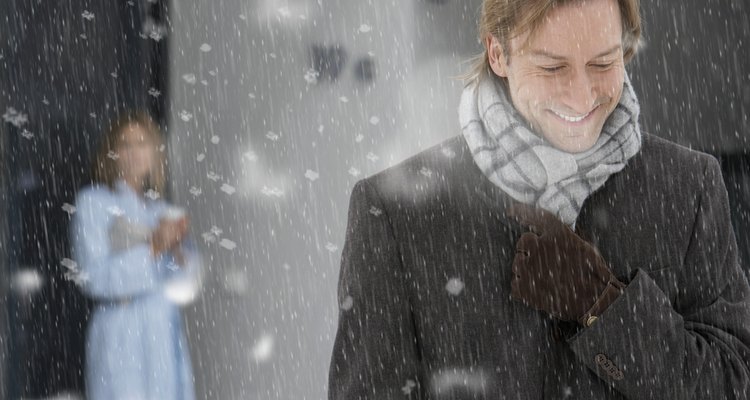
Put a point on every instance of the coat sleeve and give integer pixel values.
(375, 352)
(106, 274)
(696, 347)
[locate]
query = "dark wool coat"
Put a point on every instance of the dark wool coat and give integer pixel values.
(425, 288)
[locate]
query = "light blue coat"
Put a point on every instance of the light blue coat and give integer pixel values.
(136, 348)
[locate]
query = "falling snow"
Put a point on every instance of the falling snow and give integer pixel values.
(347, 303)
(227, 188)
(311, 175)
(16, 118)
(69, 208)
(227, 244)
(454, 286)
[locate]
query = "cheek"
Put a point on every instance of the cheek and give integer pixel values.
(534, 90)
(610, 83)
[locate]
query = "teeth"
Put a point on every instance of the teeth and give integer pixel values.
(569, 118)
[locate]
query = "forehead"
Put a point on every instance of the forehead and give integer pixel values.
(134, 132)
(575, 27)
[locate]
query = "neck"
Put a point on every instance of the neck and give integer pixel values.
(134, 183)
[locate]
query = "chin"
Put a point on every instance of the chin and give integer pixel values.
(575, 145)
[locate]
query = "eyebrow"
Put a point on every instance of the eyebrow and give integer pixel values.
(553, 56)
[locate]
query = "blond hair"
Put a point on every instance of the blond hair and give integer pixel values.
(104, 168)
(506, 19)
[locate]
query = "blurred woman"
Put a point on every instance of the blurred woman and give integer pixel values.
(136, 263)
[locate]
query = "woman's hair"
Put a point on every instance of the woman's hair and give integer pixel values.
(506, 19)
(104, 168)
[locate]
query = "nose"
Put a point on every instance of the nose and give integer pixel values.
(579, 92)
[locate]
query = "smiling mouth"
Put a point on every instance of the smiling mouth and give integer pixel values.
(571, 118)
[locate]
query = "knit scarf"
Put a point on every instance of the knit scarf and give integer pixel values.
(526, 167)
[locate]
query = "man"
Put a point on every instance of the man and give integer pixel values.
(551, 251)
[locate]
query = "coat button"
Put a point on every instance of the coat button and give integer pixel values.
(600, 359)
(618, 375)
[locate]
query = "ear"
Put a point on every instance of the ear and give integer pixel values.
(496, 56)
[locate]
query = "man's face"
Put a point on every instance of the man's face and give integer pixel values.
(567, 77)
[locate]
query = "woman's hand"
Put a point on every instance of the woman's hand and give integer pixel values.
(168, 234)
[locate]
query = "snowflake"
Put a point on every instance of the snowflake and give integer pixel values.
(73, 273)
(69, 264)
(111, 154)
(272, 192)
(454, 286)
(311, 175)
(69, 208)
(154, 92)
(14, 117)
(272, 136)
(311, 76)
(200, 157)
(88, 15)
(263, 349)
(80, 278)
(331, 247)
(27, 134)
(374, 120)
(409, 386)
(347, 304)
(157, 33)
(195, 191)
(364, 28)
(227, 188)
(215, 230)
(426, 172)
(372, 157)
(208, 237)
(152, 194)
(227, 244)
(205, 47)
(116, 211)
(189, 78)
(375, 211)
(213, 176)
(185, 115)
(250, 156)
(354, 172)
(344, 99)
(215, 139)
(359, 138)
(448, 152)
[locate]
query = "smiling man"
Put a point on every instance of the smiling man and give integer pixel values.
(553, 250)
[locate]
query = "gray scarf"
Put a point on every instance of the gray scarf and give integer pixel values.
(527, 167)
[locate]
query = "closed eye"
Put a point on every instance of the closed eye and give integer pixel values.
(602, 66)
(551, 69)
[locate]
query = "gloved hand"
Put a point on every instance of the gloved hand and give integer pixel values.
(558, 272)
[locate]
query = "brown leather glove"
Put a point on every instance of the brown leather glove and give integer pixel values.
(558, 272)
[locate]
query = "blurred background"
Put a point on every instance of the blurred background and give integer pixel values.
(272, 110)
